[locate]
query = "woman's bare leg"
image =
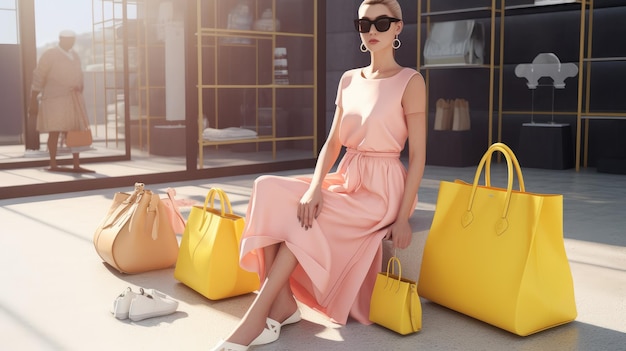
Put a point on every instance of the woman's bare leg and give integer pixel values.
(77, 167)
(53, 139)
(285, 304)
(253, 321)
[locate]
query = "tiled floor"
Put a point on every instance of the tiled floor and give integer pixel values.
(56, 292)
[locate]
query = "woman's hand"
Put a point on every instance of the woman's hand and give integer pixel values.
(401, 234)
(310, 207)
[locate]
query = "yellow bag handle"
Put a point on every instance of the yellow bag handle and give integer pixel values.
(516, 164)
(502, 224)
(224, 202)
(391, 269)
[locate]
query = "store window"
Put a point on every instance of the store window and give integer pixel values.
(173, 88)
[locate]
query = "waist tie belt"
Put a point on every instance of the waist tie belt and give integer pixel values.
(360, 153)
(353, 175)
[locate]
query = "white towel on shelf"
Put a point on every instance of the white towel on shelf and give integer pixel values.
(231, 133)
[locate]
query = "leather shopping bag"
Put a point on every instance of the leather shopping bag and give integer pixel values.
(498, 254)
(76, 138)
(82, 136)
(208, 261)
(461, 117)
(395, 303)
(135, 235)
(443, 115)
(173, 212)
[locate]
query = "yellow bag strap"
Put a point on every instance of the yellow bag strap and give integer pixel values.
(502, 224)
(413, 310)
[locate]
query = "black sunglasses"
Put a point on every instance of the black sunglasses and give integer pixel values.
(382, 24)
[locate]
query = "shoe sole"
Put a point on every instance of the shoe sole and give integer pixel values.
(121, 315)
(294, 318)
(136, 318)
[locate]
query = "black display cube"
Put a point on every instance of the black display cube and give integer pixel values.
(167, 140)
(453, 148)
(546, 145)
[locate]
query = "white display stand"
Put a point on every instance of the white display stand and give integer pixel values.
(174, 71)
(546, 145)
(545, 65)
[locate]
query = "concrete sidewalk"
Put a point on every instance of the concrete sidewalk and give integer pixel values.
(57, 293)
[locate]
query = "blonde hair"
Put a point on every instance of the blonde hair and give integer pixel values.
(392, 5)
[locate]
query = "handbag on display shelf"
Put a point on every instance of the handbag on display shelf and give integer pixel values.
(461, 117)
(136, 235)
(498, 254)
(395, 302)
(443, 115)
(208, 261)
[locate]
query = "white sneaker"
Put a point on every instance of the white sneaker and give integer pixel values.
(150, 304)
(121, 305)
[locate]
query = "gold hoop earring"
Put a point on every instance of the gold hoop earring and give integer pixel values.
(363, 47)
(396, 43)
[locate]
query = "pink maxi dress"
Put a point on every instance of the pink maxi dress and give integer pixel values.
(341, 254)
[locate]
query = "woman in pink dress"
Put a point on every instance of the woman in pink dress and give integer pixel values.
(318, 240)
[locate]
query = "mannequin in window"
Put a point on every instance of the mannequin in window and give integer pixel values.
(58, 84)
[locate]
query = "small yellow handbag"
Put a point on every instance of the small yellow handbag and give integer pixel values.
(395, 303)
(498, 254)
(208, 260)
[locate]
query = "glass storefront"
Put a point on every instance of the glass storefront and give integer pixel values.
(202, 84)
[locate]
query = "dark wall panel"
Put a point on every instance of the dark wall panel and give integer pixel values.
(11, 92)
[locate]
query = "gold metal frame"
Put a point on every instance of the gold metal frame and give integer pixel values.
(203, 32)
(585, 60)
(494, 12)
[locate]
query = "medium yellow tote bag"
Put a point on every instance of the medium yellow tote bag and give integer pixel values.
(208, 259)
(395, 303)
(498, 254)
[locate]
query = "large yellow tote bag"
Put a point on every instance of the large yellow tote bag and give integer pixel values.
(497, 254)
(208, 260)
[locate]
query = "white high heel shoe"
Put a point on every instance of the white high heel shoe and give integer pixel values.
(294, 318)
(269, 334)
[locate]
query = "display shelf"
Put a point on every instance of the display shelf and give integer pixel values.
(454, 66)
(492, 14)
(481, 12)
(241, 82)
(108, 65)
(530, 9)
(585, 113)
(151, 89)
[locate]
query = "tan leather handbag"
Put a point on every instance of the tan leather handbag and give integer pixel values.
(136, 234)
